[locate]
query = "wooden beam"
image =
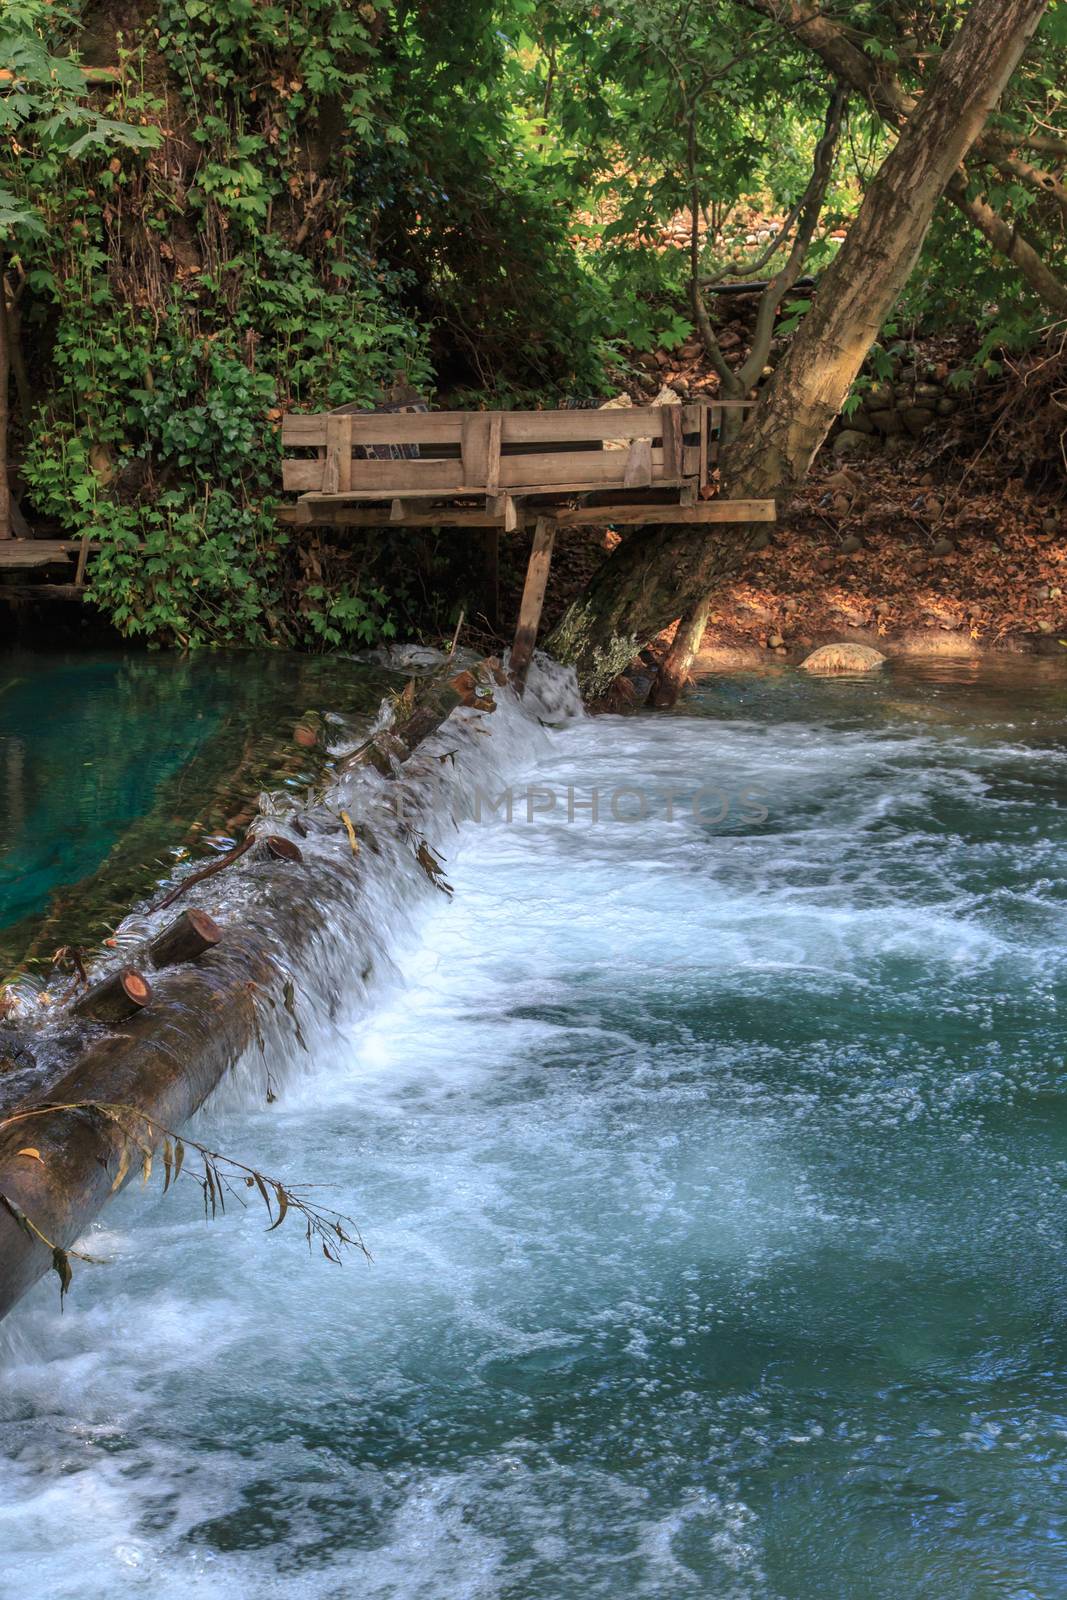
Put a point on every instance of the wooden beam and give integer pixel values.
(533, 599)
(341, 515)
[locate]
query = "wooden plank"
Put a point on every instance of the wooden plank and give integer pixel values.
(337, 469)
(379, 427)
(27, 553)
(492, 465)
(349, 515)
(563, 471)
(702, 460)
(672, 440)
(633, 422)
(383, 478)
(533, 599)
(638, 471)
(474, 447)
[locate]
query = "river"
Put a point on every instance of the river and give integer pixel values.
(712, 1157)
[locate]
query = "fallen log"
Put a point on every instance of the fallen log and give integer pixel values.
(168, 1058)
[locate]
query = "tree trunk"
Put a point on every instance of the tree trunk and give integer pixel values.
(656, 575)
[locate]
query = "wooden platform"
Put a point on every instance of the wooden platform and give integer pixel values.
(505, 469)
(26, 553)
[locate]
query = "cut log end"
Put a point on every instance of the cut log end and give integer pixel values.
(187, 937)
(115, 998)
(282, 849)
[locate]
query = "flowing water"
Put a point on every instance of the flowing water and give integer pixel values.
(713, 1163)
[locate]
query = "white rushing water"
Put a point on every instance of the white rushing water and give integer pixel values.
(674, 1141)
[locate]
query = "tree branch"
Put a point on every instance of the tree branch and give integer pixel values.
(894, 105)
(810, 207)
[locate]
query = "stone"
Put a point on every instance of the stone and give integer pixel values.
(843, 657)
(879, 397)
(917, 419)
(943, 547)
(888, 421)
(850, 544)
(860, 422)
(849, 442)
(946, 406)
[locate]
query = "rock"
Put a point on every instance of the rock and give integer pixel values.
(879, 397)
(927, 391)
(888, 421)
(843, 657)
(761, 541)
(946, 406)
(850, 442)
(917, 419)
(850, 544)
(860, 422)
(943, 547)
(776, 642)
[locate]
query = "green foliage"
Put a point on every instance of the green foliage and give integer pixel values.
(293, 206)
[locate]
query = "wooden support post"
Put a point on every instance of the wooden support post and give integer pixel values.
(705, 419)
(188, 936)
(115, 998)
(533, 599)
(83, 556)
(672, 441)
(504, 507)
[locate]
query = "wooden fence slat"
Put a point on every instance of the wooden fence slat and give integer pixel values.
(672, 440)
(337, 469)
(492, 464)
(378, 427)
(474, 447)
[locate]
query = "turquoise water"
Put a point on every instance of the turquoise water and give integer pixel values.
(94, 745)
(714, 1174)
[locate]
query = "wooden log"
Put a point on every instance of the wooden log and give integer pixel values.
(116, 997)
(164, 1063)
(188, 936)
(533, 599)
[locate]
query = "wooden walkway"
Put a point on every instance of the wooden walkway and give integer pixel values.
(25, 554)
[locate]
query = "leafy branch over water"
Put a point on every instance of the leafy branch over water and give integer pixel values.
(221, 1178)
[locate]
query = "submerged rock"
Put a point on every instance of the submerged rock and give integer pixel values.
(843, 657)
